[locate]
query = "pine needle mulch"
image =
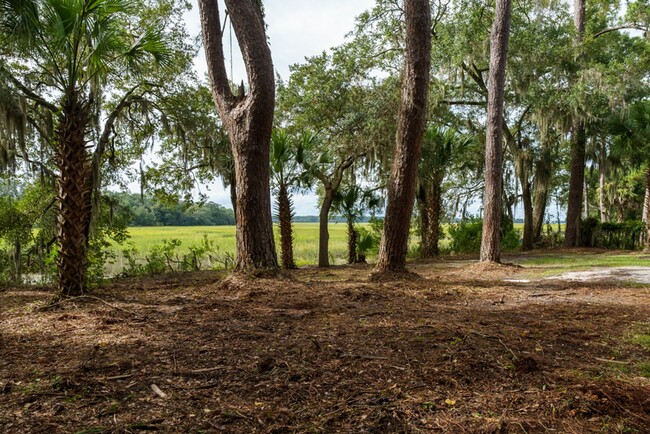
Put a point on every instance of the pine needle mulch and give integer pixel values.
(456, 350)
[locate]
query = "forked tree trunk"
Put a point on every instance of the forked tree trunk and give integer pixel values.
(578, 141)
(285, 214)
(490, 241)
(248, 120)
(410, 130)
(75, 206)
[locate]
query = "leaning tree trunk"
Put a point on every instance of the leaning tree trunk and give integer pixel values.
(410, 130)
(323, 233)
(285, 214)
(248, 120)
(578, 142)
(490, 242)
(75, 206)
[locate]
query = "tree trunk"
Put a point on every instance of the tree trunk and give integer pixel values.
(432, 211)
(248, 119)
(352, 243)
(73, 163)
(646, 208)
(233, 196)
(323, 233)
(602, 173)
(578, 139)
(421, 200)
(528, 236)
(285, 214)
(540, 195)
(576, 182)
(585, 197)
(490, 242)
(18, 261)
(410, 130)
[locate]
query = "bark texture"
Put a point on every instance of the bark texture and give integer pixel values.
(578, 140)
(646, 209)
(430, 208)
(490, 242)
(285, 215)
(576, 184)
(74, 190)
(323, 232)
(248, 119)
(352, 243)
(410, 130)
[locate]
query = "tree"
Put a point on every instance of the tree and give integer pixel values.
(632, 143)
(285, 175)
(578, 143)
(439, 147)
(411, 123)
(74, 49)
(325, 103)
(490, 242)
(351, 203)
(248, 120)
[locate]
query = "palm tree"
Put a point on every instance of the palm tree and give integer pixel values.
(76, 46)
(439, 147)
(285, 175)
(632, 143)
(351, 203)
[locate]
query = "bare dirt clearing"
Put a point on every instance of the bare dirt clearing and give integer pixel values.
(458, 350)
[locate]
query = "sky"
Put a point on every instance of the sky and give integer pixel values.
(296, 29)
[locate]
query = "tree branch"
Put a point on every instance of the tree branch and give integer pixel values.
(28, 92)
(631, 26)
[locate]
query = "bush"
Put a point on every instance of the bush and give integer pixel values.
(466, 236)
(617, 236)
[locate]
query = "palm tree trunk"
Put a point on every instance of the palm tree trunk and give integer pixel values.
(73, 163)
(602, 173)
(352, 243)
(285, 214)
(421, 199)
(410, 130)
(323, 233)
(432, 212)
(490, 242)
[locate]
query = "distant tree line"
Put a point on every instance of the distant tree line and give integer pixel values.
(147, 211)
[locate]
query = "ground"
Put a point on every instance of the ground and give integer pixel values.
(457, 349)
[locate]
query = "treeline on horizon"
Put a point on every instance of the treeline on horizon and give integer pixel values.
(147, 211)
(144, 210)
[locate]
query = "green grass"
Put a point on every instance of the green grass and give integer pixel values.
(305, 247)
(576, 261)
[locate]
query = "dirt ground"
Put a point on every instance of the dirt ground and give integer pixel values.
(325, 351)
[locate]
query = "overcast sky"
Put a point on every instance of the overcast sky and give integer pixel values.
(296, 29)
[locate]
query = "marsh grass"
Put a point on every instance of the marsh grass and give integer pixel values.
(305, 248)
